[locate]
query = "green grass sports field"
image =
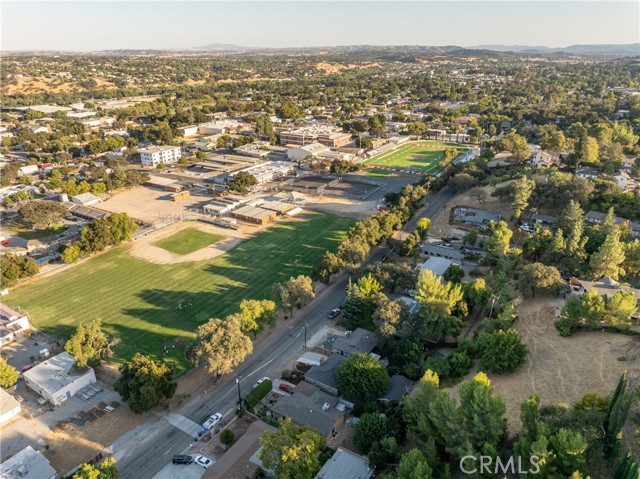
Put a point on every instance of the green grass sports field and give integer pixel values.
(149, 305)
(187, 241)
(417, 156)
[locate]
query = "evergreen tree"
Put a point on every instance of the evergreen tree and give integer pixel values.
(608, 261)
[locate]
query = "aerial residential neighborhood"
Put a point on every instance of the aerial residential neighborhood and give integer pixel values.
(332, 253)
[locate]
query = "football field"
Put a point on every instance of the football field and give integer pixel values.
(156, 308)
(417, 157)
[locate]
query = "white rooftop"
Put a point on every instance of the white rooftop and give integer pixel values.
(55, 373)
(436, 265)
(27, 464)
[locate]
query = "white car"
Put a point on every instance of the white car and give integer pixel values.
(259, 382)
(212, 421)
(204, 461)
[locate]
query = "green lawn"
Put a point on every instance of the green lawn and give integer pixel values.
(138, 301)
(188, 240)
(17, 228)
(422, 156)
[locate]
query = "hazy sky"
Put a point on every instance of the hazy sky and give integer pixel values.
(87, 25)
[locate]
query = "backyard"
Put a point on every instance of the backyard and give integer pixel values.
(156, 306)
(420, 156)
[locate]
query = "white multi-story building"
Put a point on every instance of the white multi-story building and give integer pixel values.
(155, 155)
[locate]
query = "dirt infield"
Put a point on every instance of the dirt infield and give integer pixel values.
(146, 250)
(563, 369)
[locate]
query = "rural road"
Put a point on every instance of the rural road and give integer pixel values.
(143, 454)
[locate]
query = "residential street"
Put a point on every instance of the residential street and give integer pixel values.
(144, 451)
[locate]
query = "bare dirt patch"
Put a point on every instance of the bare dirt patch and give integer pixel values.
(146, 250)
(342, 207)
(72, 444)
(563, 369)
(333, 68)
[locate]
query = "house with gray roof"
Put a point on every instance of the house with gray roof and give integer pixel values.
(438, 250)
(310, 406)
(358, 341)
(399, 387)
(27, 464)
(596, 218)
(324, 375)
(475, 217)
(607, 288)
(345, 465)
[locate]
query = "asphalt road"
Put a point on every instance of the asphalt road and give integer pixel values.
(152, 452)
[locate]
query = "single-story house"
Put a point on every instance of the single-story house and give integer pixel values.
(237, 462)
(9, 406)
(345, 465)
(309, 358)
(358, 341)
(542, 220)
(12, 323)
(607, 288)
(595, 218)
(27, 464)
(437, 266)
(58, 378)
(324, 375)
(399, 387)
(587, 173)
(475, 217)
(438, 250)
(309, 406)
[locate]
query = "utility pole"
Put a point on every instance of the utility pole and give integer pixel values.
(305, 335)
(238, 384)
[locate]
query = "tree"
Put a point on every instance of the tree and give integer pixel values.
(328, 265)
(537, 276)
(370, 429)
(390, 317)
(394, 276)
(14, 267)
(431, 291)
(122, 227)
(413, 465)
(242, 182)
(342, 167)
(463, 181)
(522, 190)
(71, 253)
(8, 374)
(222, 345)
(572, 223)
(105, 470)
(623, 398)
(363, 298)
(503, 353)
(96, 236)
(89, 344)
(227, 436)
(587, 150)
(143, 382)
(298, 292)
(255, 313)
(291, 452)
(422, 227)
(620, 308)
(362, 378)
(517, 145)
(608, 261)
(453, 274)
(497, 246)
(377, 125)
(43, 214)
(470, 238)
(353, 251)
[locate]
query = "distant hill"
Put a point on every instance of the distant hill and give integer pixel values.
(218, 47)
(625, 49)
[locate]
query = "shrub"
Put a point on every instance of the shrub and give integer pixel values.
(227, 436)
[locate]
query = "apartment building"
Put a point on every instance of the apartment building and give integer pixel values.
(155, 155)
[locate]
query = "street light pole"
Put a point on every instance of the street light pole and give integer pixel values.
(238, 384)
(305, 335)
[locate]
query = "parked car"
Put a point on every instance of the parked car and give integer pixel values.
(212, 421)
(259, 382)
(182, 459)
(204, 461)
(333, 313)
(285, 387)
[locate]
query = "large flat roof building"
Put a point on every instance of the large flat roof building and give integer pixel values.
(58, 378)
(27, 464)
(327, 135)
